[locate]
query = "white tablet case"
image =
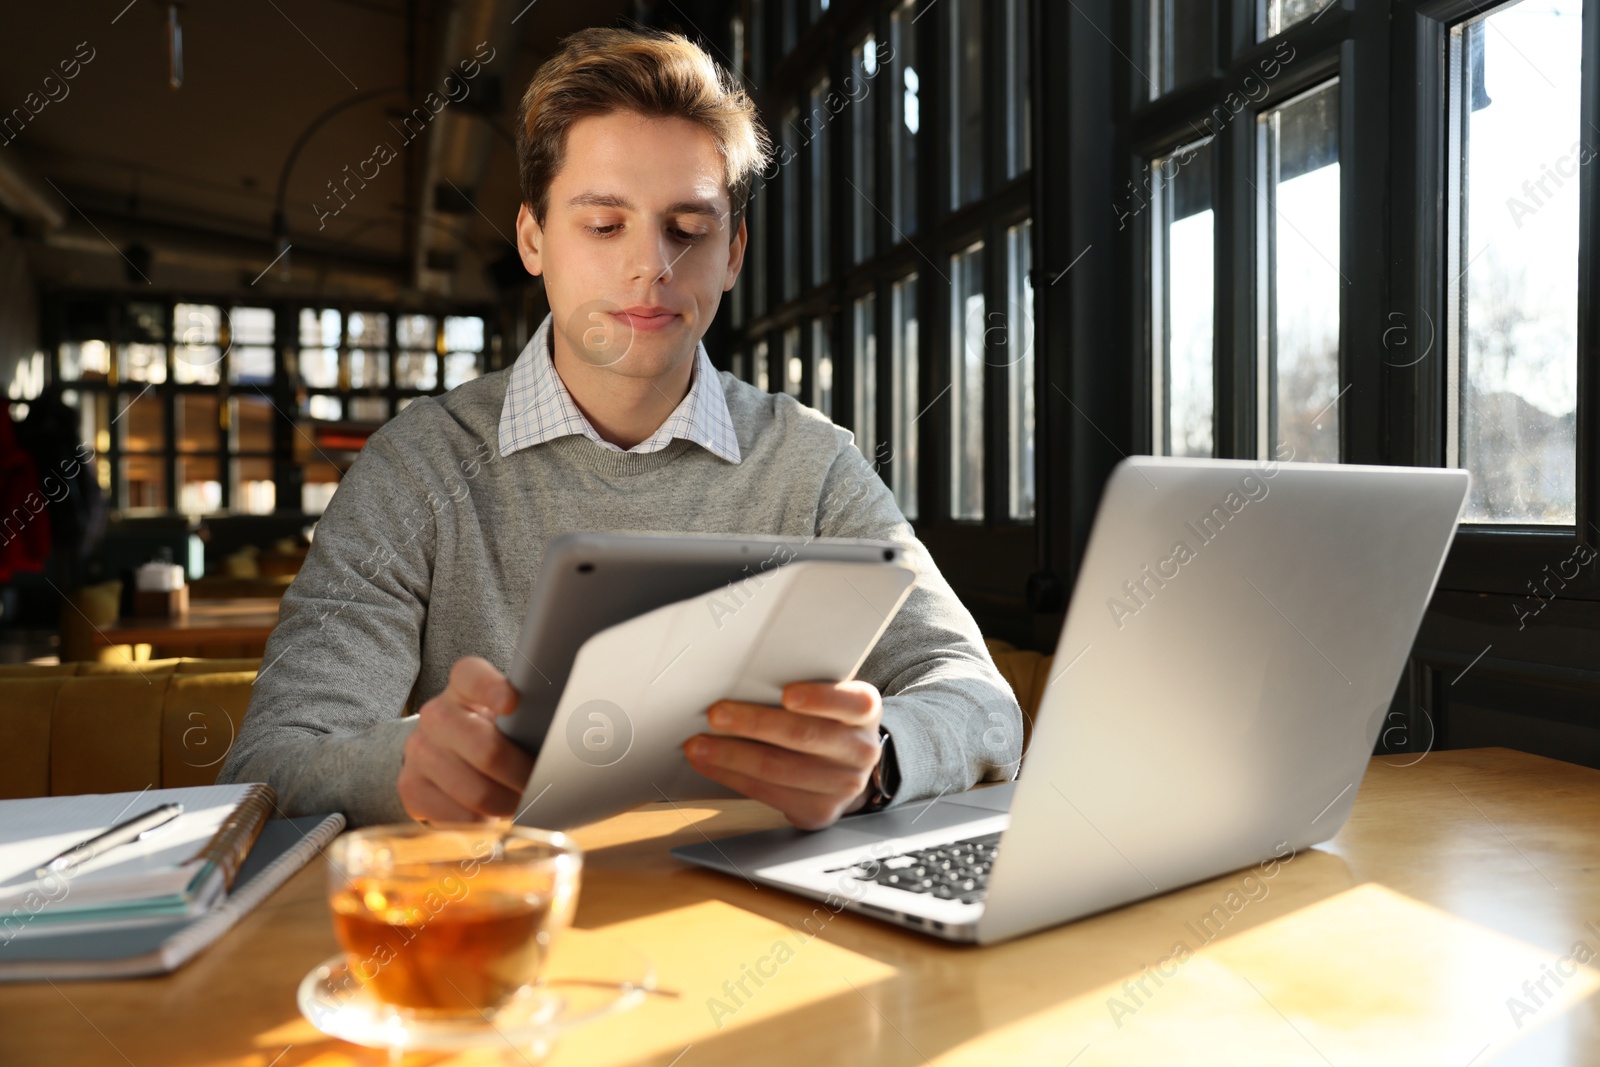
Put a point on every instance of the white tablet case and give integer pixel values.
(640, 689)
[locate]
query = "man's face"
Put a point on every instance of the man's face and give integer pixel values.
(637, 218)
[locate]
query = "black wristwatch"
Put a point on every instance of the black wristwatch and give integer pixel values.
(885, 778)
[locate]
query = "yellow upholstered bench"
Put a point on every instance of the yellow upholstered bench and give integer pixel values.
(1027, 671)
(89, 727)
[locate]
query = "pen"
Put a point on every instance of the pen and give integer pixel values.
(120, 834)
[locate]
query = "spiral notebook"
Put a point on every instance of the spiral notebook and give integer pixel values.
(149, 910)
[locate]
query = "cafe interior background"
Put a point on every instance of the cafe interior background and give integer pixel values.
(1005, 242)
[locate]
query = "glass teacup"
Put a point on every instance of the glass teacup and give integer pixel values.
(440, 924)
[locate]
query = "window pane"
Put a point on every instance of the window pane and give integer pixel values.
(907, 117)
(319, 367)
(821, 367)
(1019, 145)
(251, 326)
(324, 407)
(197, 349)
(1182, 305)
(967, 359)
(370, 329)
(1182, 43)
(198, 430)
(369, 409)
(321, 479)
(144, 363)
(863, 149)
(789, 193)
(144, 482)
(903, 382)
(1514, 251)
(139, 416)
(1019, 358)
(762, 378)
(252, 423)
(253, 490)
(737, 367)
(864, 343)
(416, 370)
(368, 370)
(966, 100)
(1300, 225)
(415, 331)
(819, 176)
(792, 367)
(250, 365)
(459, 367)
(756, 251)
(90, 360)
(463, 333)
(200, 485)
(319, 329)
(1275, 16)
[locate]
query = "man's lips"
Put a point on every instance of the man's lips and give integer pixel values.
(638, 321)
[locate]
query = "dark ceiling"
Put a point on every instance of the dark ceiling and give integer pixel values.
(115, 160)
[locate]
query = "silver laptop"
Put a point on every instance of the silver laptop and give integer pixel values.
(1232, 647)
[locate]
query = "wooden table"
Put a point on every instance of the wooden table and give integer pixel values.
(1459, 876)
(208, 625)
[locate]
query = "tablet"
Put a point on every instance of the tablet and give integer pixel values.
(590, 581)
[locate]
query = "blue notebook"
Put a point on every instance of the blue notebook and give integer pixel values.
(158, 947)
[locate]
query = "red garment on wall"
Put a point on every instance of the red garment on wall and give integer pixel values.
(24, 511)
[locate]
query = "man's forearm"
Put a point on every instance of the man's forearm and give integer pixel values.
(350, 772)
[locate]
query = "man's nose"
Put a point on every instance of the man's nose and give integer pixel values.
(654, 257)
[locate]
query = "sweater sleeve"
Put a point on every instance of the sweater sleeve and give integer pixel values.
(953, 717)
(325, 725)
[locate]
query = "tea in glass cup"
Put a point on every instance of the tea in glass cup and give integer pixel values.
(437, 924)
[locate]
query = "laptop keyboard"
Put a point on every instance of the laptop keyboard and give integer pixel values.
(955, 871)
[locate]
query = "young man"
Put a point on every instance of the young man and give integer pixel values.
(637, 155)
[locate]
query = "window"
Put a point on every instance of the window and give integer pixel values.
(463, 343)
(904, 396)
(1019, 361)
(1182, 302)
(184, 403)
(863, 154)
(968, 326)
(251, 333)
(1182, 41)
(966, 100)
(320, 338)
(864, 344)
(1019, 145)
(907, 118)
(821, 367)
(1275, 16)
(1299, 370)
(197, 344)
(793, 368)
(416, 364)
(1516, 79)
(761, 360)
(789, 209)
(818, 176)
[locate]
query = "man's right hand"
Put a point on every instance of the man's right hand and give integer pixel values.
(457, 766)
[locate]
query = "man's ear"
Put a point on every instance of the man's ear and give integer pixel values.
(530, 241)
(736, 247)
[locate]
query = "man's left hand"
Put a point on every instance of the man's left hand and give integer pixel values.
(811, 758)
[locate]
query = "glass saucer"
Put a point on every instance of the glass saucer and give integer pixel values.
(588, 977)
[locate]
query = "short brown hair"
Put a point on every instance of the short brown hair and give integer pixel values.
(601, 70)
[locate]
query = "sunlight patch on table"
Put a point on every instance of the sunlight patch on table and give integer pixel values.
(1368, 976)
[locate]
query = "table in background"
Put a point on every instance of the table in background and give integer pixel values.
(233, 626)
(1402, 941)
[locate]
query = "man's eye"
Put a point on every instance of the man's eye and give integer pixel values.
(601, 231)
(684, 235)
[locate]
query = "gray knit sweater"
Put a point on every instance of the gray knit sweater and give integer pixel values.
(428, 551)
